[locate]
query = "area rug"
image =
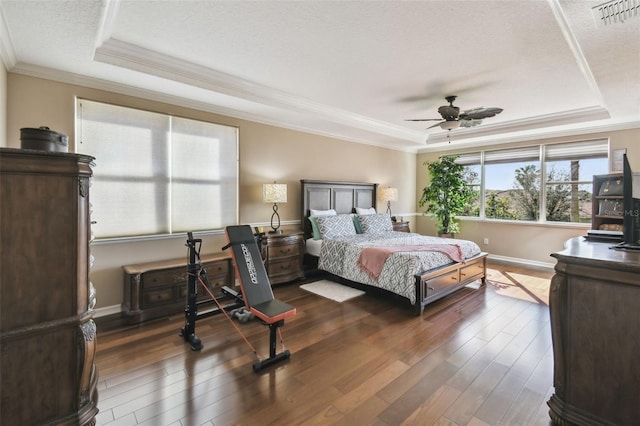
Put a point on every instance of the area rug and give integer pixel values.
(331, 290)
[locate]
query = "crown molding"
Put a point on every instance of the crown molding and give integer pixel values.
(108, 18)
(574, 46)
(136, 58)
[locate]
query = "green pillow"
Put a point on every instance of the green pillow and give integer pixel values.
(313, 218)
(356, 223)
(315, 231)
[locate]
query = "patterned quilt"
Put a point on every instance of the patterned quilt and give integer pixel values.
(339, 256)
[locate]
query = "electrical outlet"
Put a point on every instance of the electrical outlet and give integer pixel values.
(486, 241)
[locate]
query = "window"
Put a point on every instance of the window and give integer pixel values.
(512, 184)
(472, 177)
(550, 183)
(157, 174)
(569, 170)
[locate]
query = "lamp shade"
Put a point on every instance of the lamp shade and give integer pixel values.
(274, 192)
(388, 194)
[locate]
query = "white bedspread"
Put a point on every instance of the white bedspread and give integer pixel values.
(339, 256)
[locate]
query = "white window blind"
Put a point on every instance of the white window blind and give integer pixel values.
(157, 174)
(469, 159)
(577, 150)
(517, 155)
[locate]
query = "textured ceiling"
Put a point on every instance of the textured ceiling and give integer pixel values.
(354, 70)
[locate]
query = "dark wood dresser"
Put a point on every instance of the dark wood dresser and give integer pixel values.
(283, 256)
(47, 334)
(594, 303)
(159, 289)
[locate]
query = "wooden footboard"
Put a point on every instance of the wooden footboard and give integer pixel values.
(437, 283)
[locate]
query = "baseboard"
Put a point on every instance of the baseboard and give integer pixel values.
(522, 262)
(107, 310)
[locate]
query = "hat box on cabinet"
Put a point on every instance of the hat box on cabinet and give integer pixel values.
(43, 139)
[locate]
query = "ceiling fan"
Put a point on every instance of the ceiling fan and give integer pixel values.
(452, 118)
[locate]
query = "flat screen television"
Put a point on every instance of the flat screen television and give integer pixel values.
(631, 205)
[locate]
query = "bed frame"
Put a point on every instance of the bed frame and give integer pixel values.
(344, 197)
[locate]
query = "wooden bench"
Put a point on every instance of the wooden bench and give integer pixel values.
(159, 289)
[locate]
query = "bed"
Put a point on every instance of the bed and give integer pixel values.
(415, 267)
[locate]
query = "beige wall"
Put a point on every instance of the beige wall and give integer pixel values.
(3, 105)
(267, 153)
(533, 242)
(270, 153)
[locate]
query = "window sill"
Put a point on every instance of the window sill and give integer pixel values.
(144, 238)
(567, 225)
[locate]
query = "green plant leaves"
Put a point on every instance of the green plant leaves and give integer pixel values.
(447, 193)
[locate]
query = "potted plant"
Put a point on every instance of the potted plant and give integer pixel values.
(447, 193)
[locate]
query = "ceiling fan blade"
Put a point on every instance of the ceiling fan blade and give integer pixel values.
(480, 113)
(437, 124)
(424, 119)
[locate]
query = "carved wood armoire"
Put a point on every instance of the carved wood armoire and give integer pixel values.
(47, 334)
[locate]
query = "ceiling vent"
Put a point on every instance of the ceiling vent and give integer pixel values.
(616, 11)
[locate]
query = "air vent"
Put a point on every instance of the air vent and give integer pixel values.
(616, 11)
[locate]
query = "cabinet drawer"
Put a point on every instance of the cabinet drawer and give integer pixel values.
(159, 296)
(216, 288)
(472, 271)
(164, 277)
(441, 283)
(216, 268)
(280, 267)
(284, 249)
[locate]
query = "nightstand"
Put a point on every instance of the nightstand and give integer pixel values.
(401, 226)
(283, 256)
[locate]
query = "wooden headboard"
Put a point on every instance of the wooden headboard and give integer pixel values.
(343, 197)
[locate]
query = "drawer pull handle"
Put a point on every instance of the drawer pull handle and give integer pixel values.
(430, 288)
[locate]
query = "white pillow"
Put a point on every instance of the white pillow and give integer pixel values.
(362, 211)
(330, 212)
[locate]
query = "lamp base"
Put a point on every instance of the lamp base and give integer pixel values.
(275, 231)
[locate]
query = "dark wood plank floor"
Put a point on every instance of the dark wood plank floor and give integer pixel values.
(479, 357)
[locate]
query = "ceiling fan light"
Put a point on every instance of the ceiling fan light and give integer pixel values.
(449, 125)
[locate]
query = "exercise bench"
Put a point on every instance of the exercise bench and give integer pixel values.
(256, 288)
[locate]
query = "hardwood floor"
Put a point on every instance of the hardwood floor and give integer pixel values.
(478, 357)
